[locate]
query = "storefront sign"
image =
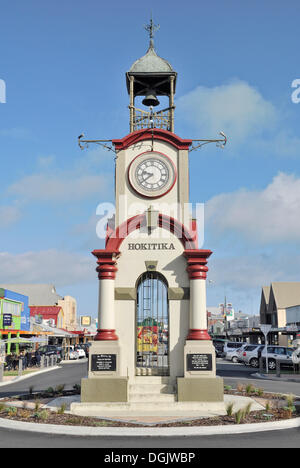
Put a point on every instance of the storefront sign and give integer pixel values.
(85, 321)
(199, 362)
(7, 320)
(104, 362)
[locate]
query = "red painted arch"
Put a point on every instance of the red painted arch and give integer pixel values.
(148, 134)
(188, 240)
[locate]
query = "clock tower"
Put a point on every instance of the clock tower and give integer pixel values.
(152, 350)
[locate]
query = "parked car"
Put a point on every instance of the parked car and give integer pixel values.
(282, 354)
(49, 350)
(232, 345)
(86, 347)
(234, 354)
(71, 353)
(250, 355)
(80, 351)
(219, 347)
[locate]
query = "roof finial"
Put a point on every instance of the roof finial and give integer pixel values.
(151, 29)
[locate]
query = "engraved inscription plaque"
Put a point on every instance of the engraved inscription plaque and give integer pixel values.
(199, 362)
(104, 362)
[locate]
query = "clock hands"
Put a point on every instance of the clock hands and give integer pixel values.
(148, 174)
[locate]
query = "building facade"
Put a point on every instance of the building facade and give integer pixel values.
(280, 307)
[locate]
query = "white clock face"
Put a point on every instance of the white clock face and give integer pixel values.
(152, 174)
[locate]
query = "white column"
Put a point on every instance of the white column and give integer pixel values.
(198, 315)
(106, 312)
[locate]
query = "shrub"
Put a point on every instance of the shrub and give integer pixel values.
(247, 409)
(229, 409)
(62, 409)
(290, 400)
(240, 388)
(11, 410)
(24, 413)
(239, 416)
(60, 388)
(44, 415)
(250, 389)
(37, 405)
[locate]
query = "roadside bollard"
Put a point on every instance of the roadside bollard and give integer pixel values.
(20, 367)
(51, 361)
(261, 365)
(42, 362)
(1, 372)
(277, 368)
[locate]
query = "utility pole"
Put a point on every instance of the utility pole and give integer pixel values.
(225, 317)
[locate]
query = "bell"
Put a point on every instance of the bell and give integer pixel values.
(150, 99)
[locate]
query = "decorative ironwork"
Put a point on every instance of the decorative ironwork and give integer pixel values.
(152, 28)
(144, 119)
(220, 142)
(153, 120)
(152, 326)
(83, 144)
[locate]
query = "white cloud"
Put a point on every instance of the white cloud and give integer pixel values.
(266, 216)
(236, 108)
(49, 266)
(9, 215)
(254, 270)
(60, 187)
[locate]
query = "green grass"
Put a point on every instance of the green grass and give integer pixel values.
(15, 373)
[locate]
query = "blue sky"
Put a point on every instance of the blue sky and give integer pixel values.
(64, 65)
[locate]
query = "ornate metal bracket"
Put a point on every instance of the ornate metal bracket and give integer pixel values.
(83, 144)
(220, 142)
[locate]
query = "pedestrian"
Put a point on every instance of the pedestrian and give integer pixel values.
(38, 358)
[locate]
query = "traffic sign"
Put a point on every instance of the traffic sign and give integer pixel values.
(265, 329)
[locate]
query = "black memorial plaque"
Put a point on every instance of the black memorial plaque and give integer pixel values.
(199, 362)
(104, 362)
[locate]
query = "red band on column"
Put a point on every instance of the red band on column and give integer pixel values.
(106, 269)
(106, 335)
(107, 260)
(195, 334)
(197, 269)
(197, 261)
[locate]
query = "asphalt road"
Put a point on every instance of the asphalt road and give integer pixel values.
(71, 374)
(279, 439)
(67, 374)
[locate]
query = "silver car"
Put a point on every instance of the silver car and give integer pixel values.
(280, 354)
(250, 355)
(234, 355)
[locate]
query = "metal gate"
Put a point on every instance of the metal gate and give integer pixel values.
(152, 325)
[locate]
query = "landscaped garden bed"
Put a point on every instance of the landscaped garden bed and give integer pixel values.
(30, 409)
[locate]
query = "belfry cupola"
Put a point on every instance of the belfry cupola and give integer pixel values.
(149, 77)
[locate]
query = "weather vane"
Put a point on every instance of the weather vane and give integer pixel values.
(152, 28)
